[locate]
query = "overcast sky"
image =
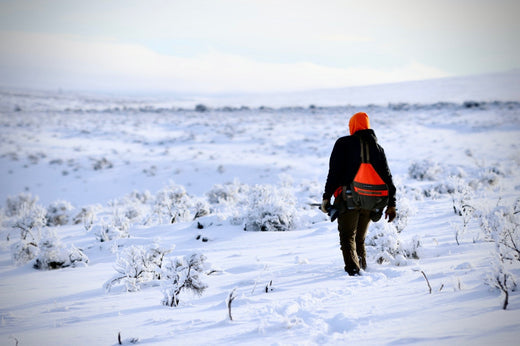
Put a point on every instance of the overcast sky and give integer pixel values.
(197, 46)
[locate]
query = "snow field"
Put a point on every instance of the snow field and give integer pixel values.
(290, 287)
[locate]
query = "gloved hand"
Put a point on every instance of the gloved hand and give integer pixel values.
(325, 204)
(390, 214)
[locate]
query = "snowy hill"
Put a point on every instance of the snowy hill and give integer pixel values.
(491, 87)
(105, 200)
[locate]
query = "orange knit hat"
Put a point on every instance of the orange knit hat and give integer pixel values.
(359, 121)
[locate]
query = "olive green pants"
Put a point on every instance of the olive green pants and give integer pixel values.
(352, 227)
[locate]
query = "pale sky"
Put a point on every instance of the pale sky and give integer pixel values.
(196, 46)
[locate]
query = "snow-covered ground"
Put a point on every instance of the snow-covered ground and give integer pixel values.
(92, 183)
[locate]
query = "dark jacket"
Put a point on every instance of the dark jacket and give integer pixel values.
(345, 160)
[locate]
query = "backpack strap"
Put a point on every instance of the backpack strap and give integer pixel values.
(365, 152)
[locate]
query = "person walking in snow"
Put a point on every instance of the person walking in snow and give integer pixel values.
(345, 161)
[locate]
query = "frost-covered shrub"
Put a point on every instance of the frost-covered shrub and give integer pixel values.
(87, 216)
(16, 204)
(411, 249)
(489, 176)
(134, 206)
(388, 247)
(406, 209)
(131, 268)
(385, 242)
(439, 189)
(108, 231)
(183, 274)
(229, 193)
(136, 265)
(270, 208)
(58, 213)
(502, 225)
(141, 197)
(53, 254)
(424, 170)
(155, 258)
(116, 228)
(173, 203)
(24, 225)
(230, 199)
(201, 208)
(462, 198)
(133, 212)
(500, 278)
(47, 251)
(23, 251)
(29, 221)
(401, 219)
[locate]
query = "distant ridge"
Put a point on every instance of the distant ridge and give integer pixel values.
(483, 89)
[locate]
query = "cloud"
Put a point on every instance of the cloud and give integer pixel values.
(73, 62)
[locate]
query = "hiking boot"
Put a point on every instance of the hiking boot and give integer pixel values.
(352, 272)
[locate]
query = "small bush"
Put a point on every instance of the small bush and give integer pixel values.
(502, 225)
(489, 176)
(462, 198)
(28, 222)
(501, 279)
(172, 202)
(116, 228)
(24, 251)
(131, 268)
(15, 205)
(141, 197)
(58, 213)
(424, 170)
(229, 193)
(155, 258)
(389, 247)
(270, 208)
(461, 195)
(136, 265)
(183, 274)
(201, 208)
(406, 209)
(134, 206)
(87, 216)
(53, 254)
(48, 252)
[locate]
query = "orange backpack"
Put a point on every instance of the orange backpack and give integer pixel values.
(369, 191)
